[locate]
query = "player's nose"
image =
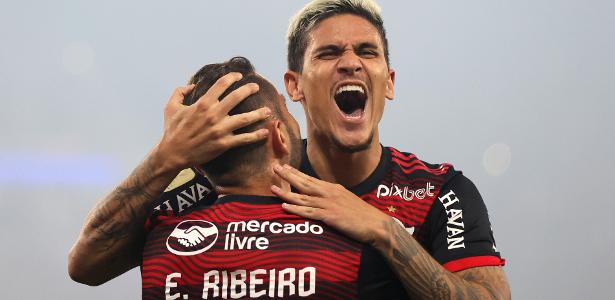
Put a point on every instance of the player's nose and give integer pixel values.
(349, 63)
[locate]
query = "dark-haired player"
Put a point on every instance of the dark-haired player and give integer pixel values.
(245, 245)
(111, 240)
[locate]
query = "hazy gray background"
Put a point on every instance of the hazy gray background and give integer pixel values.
(518, 94)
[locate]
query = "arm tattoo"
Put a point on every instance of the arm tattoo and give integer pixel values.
(122, 213)
(112, 238)
(424, 278)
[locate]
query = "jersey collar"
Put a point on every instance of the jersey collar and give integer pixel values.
(248, 199)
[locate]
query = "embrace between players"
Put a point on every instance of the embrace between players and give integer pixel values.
(232, 204)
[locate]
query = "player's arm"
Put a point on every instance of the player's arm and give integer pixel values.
(112, 236)
(422, 276)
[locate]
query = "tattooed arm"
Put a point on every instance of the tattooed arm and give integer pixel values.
(111, 239)
(424, 278)
(112, 236)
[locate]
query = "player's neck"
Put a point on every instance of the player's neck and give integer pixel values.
(258, 185)
(256, 190)
(346, 168)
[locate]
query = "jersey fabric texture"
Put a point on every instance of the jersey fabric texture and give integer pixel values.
(436, 204)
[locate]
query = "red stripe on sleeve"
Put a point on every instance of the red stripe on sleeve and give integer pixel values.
(471, 262)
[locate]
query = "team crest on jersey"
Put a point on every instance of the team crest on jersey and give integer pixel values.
(192, 237)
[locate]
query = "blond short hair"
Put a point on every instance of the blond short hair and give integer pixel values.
(302, 23)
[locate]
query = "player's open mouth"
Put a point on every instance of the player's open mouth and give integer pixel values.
(351, 99)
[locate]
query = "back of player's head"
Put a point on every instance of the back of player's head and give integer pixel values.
(314, 12)
(234, 165)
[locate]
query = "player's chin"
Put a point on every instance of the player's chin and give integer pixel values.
(353, 142)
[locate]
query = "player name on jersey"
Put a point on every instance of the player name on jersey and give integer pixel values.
(252, 284)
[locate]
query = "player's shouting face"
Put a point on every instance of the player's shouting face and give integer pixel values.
(344, 82)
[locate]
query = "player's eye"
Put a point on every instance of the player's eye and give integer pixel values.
(368, 53)
(327, 55)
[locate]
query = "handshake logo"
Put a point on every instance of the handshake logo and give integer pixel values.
(192, 237)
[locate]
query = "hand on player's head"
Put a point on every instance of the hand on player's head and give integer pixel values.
(196, 134)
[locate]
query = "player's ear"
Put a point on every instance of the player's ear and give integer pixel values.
(390, 89)
(279, 139)
(293, 88)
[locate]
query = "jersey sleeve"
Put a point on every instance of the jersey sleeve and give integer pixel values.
(460, 234)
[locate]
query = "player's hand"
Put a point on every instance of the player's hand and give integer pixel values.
(196, 134)
(332, 204)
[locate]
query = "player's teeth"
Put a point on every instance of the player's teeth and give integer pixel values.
(350, 88)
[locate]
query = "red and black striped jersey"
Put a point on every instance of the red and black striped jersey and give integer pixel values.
(436, 204)
(247, 247)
